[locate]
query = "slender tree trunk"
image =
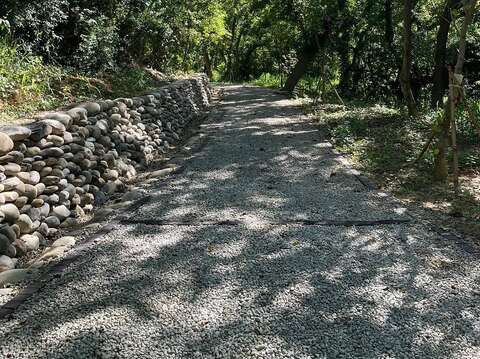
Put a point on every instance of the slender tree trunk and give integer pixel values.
(305, 58)
(440, 74)
(388, 23)
(456, 93)
(207, 62)
(344, 47)
(233, 31)
(406, 71)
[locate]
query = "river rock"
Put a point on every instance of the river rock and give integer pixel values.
(12, 156)
(78, 114)
(11, 183)
(8, 232)
(25, 223)
(6, 143)
(10, 196)
(52, 152)
(10, 212)
(16, 133)
(40, 188)
(4, 244)
(6, 263)
(11, 169)
(31, 242)
(52, 222)
(61, 212)
(56, 140)
(21, 201)
(34, 214)
(61, 117)
(92, 107)
(57, 127)
(37, 202)
(43, 229)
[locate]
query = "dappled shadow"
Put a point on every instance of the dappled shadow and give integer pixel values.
(385, 144)
(265, 287)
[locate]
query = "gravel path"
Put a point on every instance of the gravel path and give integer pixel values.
(181, 280)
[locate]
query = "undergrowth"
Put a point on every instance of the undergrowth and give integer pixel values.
(27, 85)
(384, 143)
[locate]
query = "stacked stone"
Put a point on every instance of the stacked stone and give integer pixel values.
(58, 168)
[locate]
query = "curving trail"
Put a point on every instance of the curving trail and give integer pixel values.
(266, 246)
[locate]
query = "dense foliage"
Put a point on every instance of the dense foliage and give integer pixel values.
(355, 45)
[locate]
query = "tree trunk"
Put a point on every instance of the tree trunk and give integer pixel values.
(441, 166)
(406, 72)
(229, 68)
(440, 74)
(305, 58)
(388, 24)
(207, 62)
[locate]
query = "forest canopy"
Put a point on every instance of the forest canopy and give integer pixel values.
(354, 45)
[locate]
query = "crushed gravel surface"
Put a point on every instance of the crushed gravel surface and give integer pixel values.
(267, 286)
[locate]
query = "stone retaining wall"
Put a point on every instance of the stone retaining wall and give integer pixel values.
(58, 168)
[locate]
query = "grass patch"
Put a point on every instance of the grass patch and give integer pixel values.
(382, 141)
(28, 86)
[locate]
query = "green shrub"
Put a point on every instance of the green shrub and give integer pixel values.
(23, 78)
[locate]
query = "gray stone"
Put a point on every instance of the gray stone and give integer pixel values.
(4, 244)
(32, 242)
(52, 152)
(100, 198)
(61, 117)
(30, 192)
(11, 183)
(10, 212)
(43, 229)
(11, 251)
(40, 188)
(8, 232)
(25, 223)
(20, 247)
(40, 130)
(45, 210)
(92, 107)
(10, 196)
(33, 151)
(21, 201)
(52, 222)
(34, 213)
(16, 133)
(61, 212)
(32, 177)
(54, 198)
(6, 143)
(38, 165)
(11, 169)
(78, 113)
(6, 263)
(56, 140)
(13, 156)
(67, 137)
(57, 127)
